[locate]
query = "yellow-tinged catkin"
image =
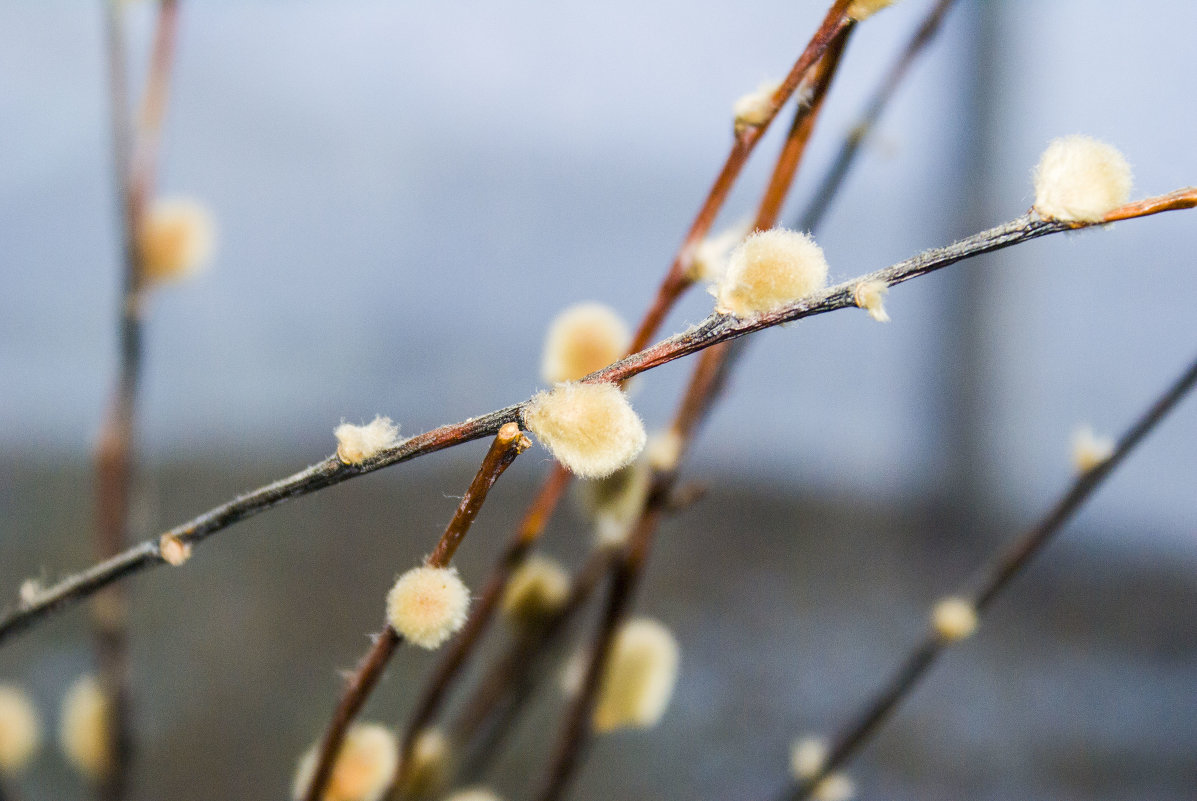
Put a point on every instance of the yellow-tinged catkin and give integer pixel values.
(870, 296)
(834, 787)
(84, 728)
(1080, 179)
(356, 444)
(362, 769)
(1089, 450)
(807, 756)
(769, 271)
(429, 769)
(863, 9)
(581, 339)
(590, 428)
(537, 589)
(754, 107)
(664, 450)
(615, 502)
(428, 605)
(639, 678)
(474, 794)
(175, 240)
(954, 619)
(20, 729)
(709, 261)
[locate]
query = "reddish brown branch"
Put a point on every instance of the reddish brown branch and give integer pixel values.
(1008, 563)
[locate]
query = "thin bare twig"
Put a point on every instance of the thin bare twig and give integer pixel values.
(993, 578)
(713, 330)
(834, 179)
(508, 444)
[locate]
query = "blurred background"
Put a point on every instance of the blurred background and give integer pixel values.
(382, 173)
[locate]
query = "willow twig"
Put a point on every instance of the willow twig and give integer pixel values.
(993, 578)
(715, 329)
(508, 444)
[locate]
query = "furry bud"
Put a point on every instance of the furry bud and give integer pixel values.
(954, 619)
(870, 296)
(356, 444)
(428, 605)
(1089, 450)
(537, 589)
(362, 769)
(639, 678)
(590, 428)
(807, 757)
(754, 107)
(582, 339)
(860, 10)
(769, 271)
(1080, 179)
(20, 730)
(175, 240)
(84, 728)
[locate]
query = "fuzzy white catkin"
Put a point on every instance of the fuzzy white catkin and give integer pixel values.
(356, 444)
(1080, 179)
(20, 729)
(834, 787)
(429, 769)
(710, 256)
(582, 339)
(753, 108)
(863, 9)
(590, 428)
(614, 503)
(870, 296)
(84, 728)
(639, 678)
(428, 605)
(1089, 450)
(769, 271)
(954, 619)
(475, 794)
(807, 756)
(537, 588)
(362, 769)
(176, 239)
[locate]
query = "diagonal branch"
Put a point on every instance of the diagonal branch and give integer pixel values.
(715, 329)
(995, 577)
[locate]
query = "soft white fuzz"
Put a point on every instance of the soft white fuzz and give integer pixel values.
(173, 550)
(582, 339)
(1080, 179)
(754, 107)
(362, 770)
(590, 428)
(709, 262)
(954, 619)
(356, 444)
(176, 239)
(834, 787)
(870, 296)
(640, 676)
(84, 728)
(429, 769)
(20, 730)
(615, 502)
(769, 271)
(863, 9)
(428, 605)
(807, 756)
(537, 589)
(1089, 450)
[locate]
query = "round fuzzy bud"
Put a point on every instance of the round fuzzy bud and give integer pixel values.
(834, 787)
(664, 450)
(20, 730)
(710, 257)
(362, 770)
(615, 502)
(807, 757)
(590, 428)
(475, 794)
(954, 619)
(356, 444)
(863, 9)
(84, 728)
(870, 296)
(429, 769)
(428, 605)
(754, 107)
(1080, 179)
(537, 589)
(1089, 450)
(638, 682)
(173, 550)
(769, 271)
(582, 339)
(175, 240)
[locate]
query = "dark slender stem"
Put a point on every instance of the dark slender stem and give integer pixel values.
(713, 330)
(830, 185)
(357, 689)
(508, 444)
(994, 577)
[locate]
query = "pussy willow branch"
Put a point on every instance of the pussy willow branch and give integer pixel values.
(993, 578)
(715, 329)
(135, 163)
(834, 179)
(508, 444)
